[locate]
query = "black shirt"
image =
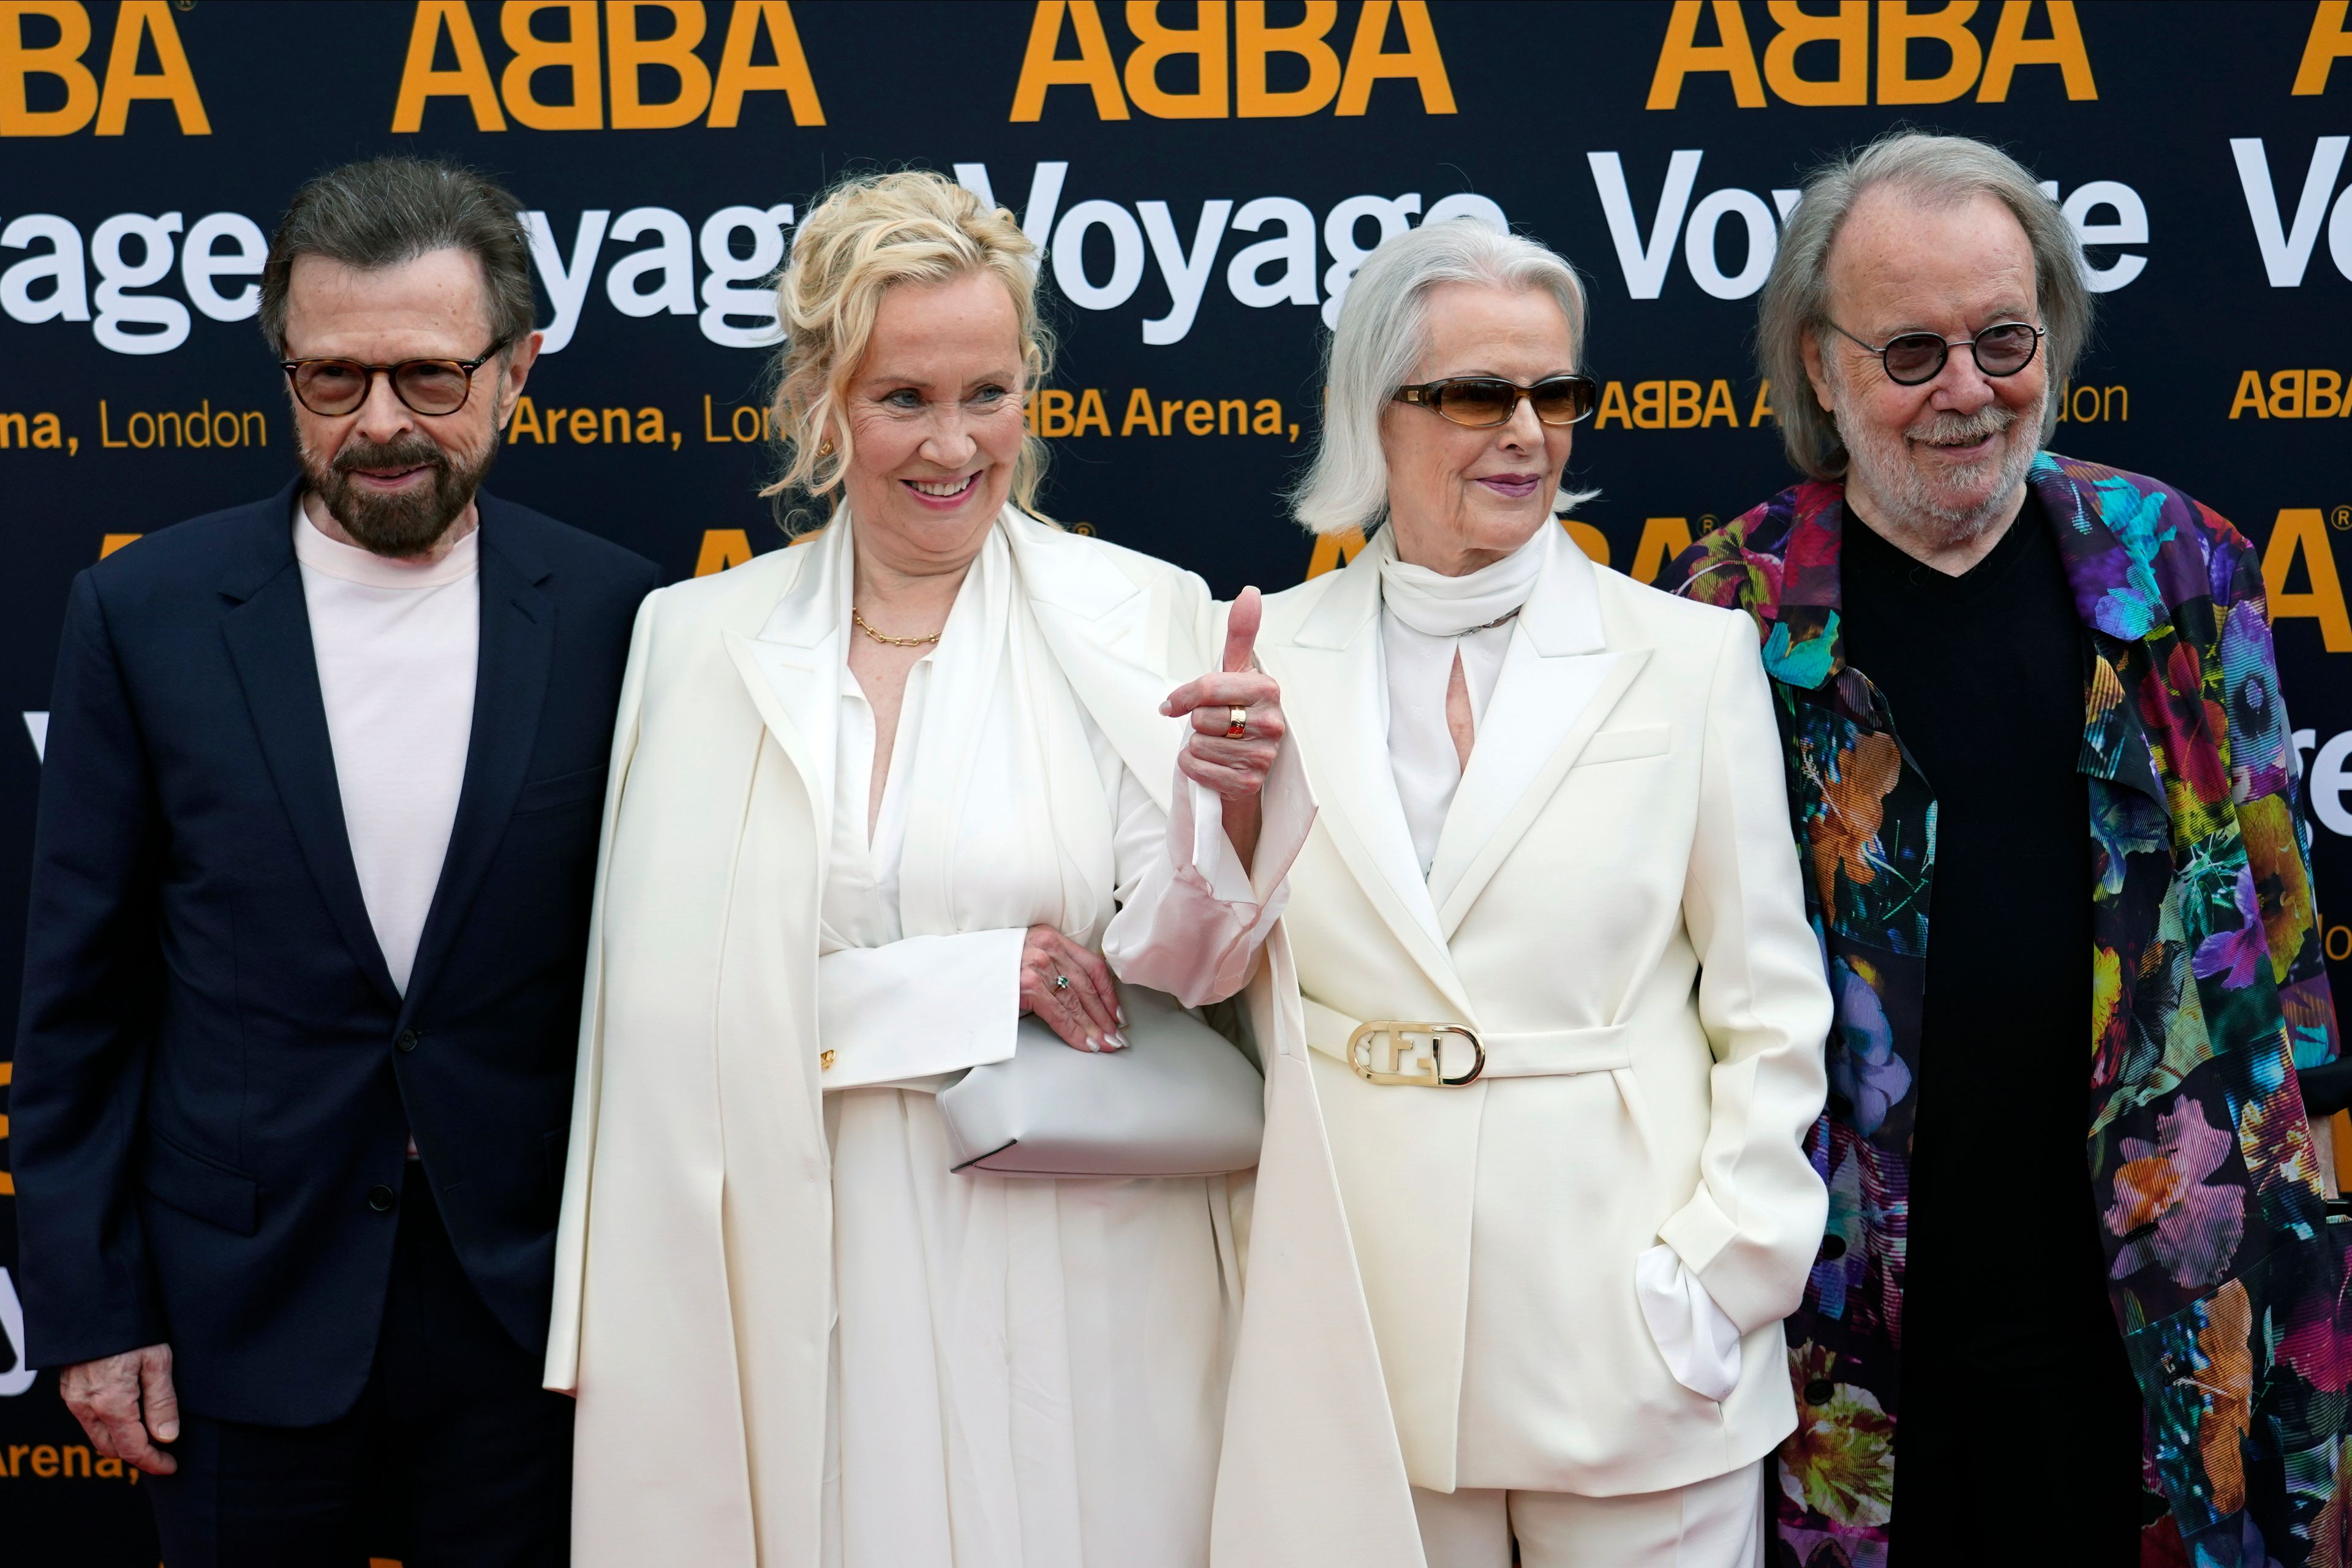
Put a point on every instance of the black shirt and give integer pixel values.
(2008, 1346)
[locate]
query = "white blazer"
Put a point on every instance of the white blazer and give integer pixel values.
(694, 1256)
(1615, 897)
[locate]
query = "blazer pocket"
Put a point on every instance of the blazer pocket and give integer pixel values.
(1622, 745)
(194, 1185)
(562, 790)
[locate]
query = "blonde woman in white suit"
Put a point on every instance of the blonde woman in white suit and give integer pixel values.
(873, 798)
(1520, 1279)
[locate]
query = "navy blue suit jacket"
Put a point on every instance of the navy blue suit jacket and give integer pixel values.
(216, 1079)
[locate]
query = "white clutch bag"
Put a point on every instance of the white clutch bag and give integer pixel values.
(1180, 1101)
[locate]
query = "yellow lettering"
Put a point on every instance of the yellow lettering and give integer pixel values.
(60, 60)
(469, 79)
(628, 54)
(1763, 409)
(1849, 29)
(1169, 408)
(1718, 402)
(1420, 63)
(523, 425)
(14, 431)
(738, 76)
(1254, 42)
(2330, 41)
(2301, 530)
(2287, 394)
(1898, 25)
(1139, 413)
(2250, 396)
(1589, 539)
(574, 54)
(2012, 49)
(45, 1460)
(1682, 404)
(1199, 417)
(722, 548)
(1154, 42)
(1054, 406)
(1613, 401)
(46, 432)
(650, 426)
(109, 543)
(1683, 56)
(172, 82)
(1093, 68)
(1333, 551)
(1649, 404)
(1267, 418)
(2317, 385)
(1663, 539)
(1091, 413)
(709, 431)
(1240, 409)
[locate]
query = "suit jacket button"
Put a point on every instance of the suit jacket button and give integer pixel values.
(380, 1198)
(1832, 1248)
(407, 1041)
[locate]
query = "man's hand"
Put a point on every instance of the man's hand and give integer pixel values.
(123, 1402)
(1234, 765)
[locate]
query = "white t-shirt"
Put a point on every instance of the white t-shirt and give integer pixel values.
(396, 645)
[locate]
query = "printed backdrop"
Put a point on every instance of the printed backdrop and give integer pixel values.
(1207, 177)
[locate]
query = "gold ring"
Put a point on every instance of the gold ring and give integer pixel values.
(1236, 723)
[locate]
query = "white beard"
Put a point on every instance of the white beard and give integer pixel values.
(1935, 513)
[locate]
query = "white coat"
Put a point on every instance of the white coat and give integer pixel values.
(694, 1256)
(1616, 893)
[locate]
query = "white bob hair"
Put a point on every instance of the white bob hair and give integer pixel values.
(1381, 339)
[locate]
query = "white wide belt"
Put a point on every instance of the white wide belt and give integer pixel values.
(1392, 1051)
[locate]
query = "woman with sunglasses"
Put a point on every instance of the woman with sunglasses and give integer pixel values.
(1533, 1201)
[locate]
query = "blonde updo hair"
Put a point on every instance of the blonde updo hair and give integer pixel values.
(869, 233)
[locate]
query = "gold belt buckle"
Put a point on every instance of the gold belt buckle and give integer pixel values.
(1390, 1040)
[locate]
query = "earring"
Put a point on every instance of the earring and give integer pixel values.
(826, 449)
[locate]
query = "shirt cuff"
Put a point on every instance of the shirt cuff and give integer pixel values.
(1700, 1344)
(915, 1008)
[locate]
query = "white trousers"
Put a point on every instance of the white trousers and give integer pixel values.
(1716, 1523)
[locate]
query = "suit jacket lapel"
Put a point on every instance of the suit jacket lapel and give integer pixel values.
(516, 653)
(1333, 683)
(1559, 682)
(792, 667)
(268, 637)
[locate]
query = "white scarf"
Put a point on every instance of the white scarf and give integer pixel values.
(1426, 618)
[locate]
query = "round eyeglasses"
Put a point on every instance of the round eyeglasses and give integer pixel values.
(334, 387)
(1913, 359)
(1483, 401)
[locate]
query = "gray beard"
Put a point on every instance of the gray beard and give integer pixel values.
(1884, 465)
(399, 527)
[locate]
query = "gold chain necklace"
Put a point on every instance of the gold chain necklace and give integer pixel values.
(894, 642)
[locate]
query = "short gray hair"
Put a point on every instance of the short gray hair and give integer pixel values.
(1939, 172)
(387, 211)
(1383, 333)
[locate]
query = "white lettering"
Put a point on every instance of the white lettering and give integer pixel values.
(567, 287)
(1188, 277)
(1395, 217)
(1045, 196)
(1295, 249)
(2286, 251)
(200, 263)
(672, 258)
(61, 269)
(2329, 778)
(2130, 228)
(1126, 256)
(721, 300)
(1698, 243)
(117, 310)
(1644, 266)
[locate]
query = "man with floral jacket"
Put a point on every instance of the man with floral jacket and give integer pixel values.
(2089, 1299)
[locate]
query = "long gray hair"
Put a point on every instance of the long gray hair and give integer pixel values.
(1939, 172)
(1383, 333)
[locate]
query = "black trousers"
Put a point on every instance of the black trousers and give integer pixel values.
(453, 1458)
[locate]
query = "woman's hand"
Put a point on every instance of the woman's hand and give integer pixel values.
(1235, 766)
(1068, 990)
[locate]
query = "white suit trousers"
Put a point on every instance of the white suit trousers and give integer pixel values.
(1715, 1524)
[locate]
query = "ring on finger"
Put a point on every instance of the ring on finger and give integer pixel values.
(1061, 982)
(1236, 723)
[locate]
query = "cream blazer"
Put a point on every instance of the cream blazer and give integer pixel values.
(694, 1256)
(1616, 886)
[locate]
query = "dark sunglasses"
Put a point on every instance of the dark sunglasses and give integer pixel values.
(336, 386)
(1915, 359)
(1482, 401)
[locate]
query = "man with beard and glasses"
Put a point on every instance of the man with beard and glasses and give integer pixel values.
(310, 909)
(2076, 1299)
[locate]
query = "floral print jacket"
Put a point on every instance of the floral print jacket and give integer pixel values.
(2208, 990)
